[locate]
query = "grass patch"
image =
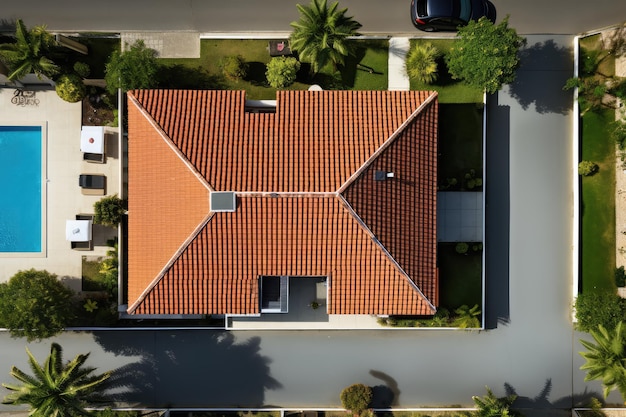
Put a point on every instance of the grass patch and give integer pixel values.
(460, 277)
(598, 203)
(205, 72)
(368, 70)
(450, 90)
(604, 58)
(460, 141)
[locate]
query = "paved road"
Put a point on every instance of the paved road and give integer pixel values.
(530, 347)
(387, 17)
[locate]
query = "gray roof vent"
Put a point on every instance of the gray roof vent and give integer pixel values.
(382, 175)
(223, 201)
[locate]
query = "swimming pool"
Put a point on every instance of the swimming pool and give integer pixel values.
(21, 188)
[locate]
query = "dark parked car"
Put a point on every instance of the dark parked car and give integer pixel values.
(448, 15)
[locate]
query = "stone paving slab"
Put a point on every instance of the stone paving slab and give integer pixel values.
(167, 44)
(398, 79)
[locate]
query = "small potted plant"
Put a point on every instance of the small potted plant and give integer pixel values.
(314, 305)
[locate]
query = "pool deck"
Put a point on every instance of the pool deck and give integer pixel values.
(64, 199)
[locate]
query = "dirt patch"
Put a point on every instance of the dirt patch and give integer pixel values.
(97, 110)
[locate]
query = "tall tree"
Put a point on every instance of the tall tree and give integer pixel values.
(320, 36)
(35, 304)
(485, 55)
(135, 67)
(29, 53)
(606, 358)
(56, 389)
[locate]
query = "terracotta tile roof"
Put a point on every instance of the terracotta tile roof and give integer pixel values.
(307, 201)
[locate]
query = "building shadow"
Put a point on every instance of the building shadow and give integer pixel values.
(497, 213)
(188, 369)
(544, 90)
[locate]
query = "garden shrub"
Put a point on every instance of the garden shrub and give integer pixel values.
(70, 88)
(466, 317)
(234, 67)
(620, 277)
(590, 60)
(619, 90)
(82, 69)
(282, 71)
(450, 183)
(109, 211)
(356, 398)
(587, 168)
(477, 247)
(461, 248)
(471, 180)
(604, 308)
(421, 63)
(618, 133)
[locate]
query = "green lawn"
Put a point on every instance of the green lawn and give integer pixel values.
(460, 277)
(450, 91)
(204, 72)
(460, 142)
(598, 203)
(605, 59)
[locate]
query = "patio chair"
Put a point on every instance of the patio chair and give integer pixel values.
(92, 184)
(96, 158)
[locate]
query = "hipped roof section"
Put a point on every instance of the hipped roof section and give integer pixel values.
(307, 201)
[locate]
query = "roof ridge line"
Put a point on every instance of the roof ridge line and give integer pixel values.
(387, 254)
(277, 194)
(168, 141)
(432, 96)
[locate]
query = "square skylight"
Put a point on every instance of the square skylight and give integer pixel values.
(223, 201)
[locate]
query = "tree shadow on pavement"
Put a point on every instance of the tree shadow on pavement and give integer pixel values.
(540, 405)
(544, 69)
(188, 369)
(387, 395)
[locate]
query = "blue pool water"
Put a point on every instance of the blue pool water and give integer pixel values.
(20, 188)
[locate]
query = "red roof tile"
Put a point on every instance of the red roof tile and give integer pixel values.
(307, 202)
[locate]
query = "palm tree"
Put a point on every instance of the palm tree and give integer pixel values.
(606, 359)
(28, 54)
(421, 63)
(492, 406)
(320, 36)
(467, 317)
(56, 390)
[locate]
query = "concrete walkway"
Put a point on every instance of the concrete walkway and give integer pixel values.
(167, 44)
(398, 79)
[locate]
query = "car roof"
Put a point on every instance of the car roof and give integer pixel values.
(436, 8)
